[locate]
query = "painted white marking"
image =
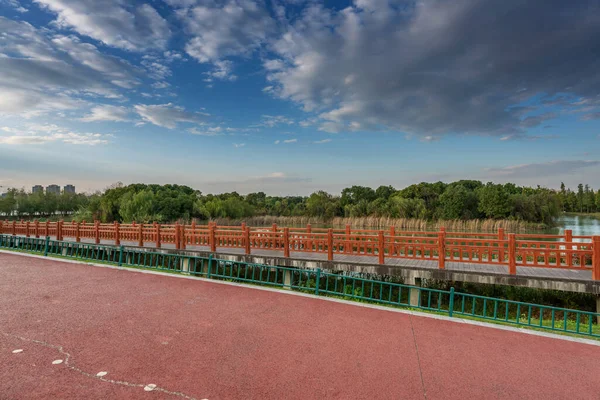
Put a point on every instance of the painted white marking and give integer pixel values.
(102, 373)
(17, 351)
(150, 387)
(56, 362)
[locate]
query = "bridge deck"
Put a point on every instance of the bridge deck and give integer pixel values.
(203, 340)
(477, 268)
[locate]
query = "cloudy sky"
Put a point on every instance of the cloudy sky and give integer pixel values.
(293, 96)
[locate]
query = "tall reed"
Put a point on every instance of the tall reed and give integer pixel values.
(477, 225)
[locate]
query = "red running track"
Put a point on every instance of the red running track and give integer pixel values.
(202, 340)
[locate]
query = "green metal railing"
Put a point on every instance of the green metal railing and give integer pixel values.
(341, 285)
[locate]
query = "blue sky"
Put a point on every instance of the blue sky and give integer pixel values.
(293, 96)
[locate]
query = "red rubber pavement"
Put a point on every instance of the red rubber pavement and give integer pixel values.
(202, 340)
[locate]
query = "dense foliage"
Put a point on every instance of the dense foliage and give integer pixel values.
(464, 200)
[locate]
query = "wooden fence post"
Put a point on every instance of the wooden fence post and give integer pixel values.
(1, 227)
(274, 239)
(569, 239)
(247, 238)
(97, 232)
(141, 235)
(308, 241)
(211, 238)
(512, 254)
(36, 227)
(14, 228)
(157, 233)
(27, 229)
(596, 258)
(392, 240)
(117, 234)
(47, 228)
(286, 242)
(500, 246)
(77, 233)
(177, 237)
(347, 242)
(330, 244)
(182, 238)
(61, 224)
(442, 248)
(381, 248)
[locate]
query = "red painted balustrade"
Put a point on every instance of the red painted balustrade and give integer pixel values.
(512, 250)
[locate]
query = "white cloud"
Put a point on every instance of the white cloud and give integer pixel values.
(277, 142)
(210, 131)
(155, 69)
(238, 145)
(271, 121)
(168, 115)
(43, 134)
(107, 113)
(160, 85)
(226, 28)
(290, 141)
(539, 170)
(432, 67)
(322, 141)
(40, 73)
(114, 22)
(15, 4)
(221, 71)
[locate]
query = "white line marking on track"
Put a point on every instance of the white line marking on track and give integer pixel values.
(102, 373)
(150, 387)
(68, 364)
(17, 351)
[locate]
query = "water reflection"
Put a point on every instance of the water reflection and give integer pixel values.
(580, 225)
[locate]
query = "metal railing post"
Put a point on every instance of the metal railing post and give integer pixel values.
(120, 256)
(451, 302)
(318, 281)
(46, 245)
(208, 270)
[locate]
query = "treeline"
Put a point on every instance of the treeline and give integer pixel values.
(22, 204)
(430, 201)
(584, 200)
(461, 200)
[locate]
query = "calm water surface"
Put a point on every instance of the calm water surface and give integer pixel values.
(580, 225)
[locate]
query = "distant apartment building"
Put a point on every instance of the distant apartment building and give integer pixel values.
(69, 189)
(53, 189)
(37, 189)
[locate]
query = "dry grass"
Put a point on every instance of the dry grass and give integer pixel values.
(476, 225)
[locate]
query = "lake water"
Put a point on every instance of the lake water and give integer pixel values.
(580, 225)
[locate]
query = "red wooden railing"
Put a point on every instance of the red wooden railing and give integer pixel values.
(512, 250)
